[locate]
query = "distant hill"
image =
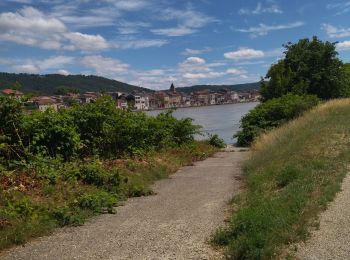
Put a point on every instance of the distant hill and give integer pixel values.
(238, 87)
(46, 84)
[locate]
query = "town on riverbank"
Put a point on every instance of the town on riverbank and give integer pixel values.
(140, 100)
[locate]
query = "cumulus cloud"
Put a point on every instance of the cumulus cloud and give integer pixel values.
(343, 46)
(336, 32)
(263, 29)
(105, 66)
(244, 54)
(63, 72)
(86, 42)
(32, 27)
(40, 66)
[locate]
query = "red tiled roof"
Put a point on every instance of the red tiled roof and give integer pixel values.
(8, 91)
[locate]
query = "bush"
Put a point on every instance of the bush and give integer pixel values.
(271, 114)
(216, 141)
(52, 133)
(98, 201)
(11, 119)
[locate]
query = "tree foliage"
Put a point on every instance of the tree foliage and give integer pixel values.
(85, 130)
(272, 113)
(46, 84)
(309, 67)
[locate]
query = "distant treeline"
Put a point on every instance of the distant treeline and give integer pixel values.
(238, 87)
(52, 83)
(48, 84)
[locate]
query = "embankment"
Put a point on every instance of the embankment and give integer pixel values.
(293, 174)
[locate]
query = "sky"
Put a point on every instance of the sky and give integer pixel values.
(152, 43)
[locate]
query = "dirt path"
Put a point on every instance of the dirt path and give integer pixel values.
(332, 240)
(174, 224)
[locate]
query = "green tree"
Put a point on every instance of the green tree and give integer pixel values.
(309, 67)
(63, 90)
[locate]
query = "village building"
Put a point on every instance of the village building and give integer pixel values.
(10, 92)
(43, 103)
(140, 101)
(122, 102)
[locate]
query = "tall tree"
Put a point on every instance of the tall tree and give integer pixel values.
(309, 67)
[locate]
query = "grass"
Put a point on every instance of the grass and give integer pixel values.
(292, 175)
(48, 194)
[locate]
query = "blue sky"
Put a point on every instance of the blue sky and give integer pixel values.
(152, 43)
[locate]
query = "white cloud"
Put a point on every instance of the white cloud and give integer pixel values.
(264, 29)
(31, 27)
(55, 62)
(63, 72)
(244, 54)
(191, 52)
(105, 66)
(30, 19)
(130, 5)
(208, 75)
(174, 32)
(260, 9)
(343, 46)
(141, 43)
(41, 66)
(188, 22)
(234, 71)
(26, 68)
(86, 42)
(340, 8)
(336, 32)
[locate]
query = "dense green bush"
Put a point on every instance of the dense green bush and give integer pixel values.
(216, 141)
(85, 130)
(51, 133)
(272, 113)
(11, 119)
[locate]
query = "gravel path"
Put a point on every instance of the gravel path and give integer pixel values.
(332, 240)
(174, 224)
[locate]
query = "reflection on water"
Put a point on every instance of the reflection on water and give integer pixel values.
(222, 120)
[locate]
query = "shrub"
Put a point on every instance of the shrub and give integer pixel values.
(98, 201)
(52, 133)
(271, 114)
(216, 141)
(11, 119)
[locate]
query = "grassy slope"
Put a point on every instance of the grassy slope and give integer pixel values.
(31, 206)
(294, 172)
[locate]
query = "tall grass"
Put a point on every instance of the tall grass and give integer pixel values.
(293, 173)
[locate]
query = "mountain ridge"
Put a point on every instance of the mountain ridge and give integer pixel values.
(47, 84)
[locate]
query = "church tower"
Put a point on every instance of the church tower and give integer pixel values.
(172, 88)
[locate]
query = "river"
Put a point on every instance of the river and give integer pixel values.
(222, 120)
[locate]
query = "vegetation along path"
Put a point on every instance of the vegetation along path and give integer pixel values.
(176, 223)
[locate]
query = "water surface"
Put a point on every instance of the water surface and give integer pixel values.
(222, 119)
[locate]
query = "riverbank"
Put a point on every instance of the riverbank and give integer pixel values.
(293, 174)
(184, 107)
(32, 206)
